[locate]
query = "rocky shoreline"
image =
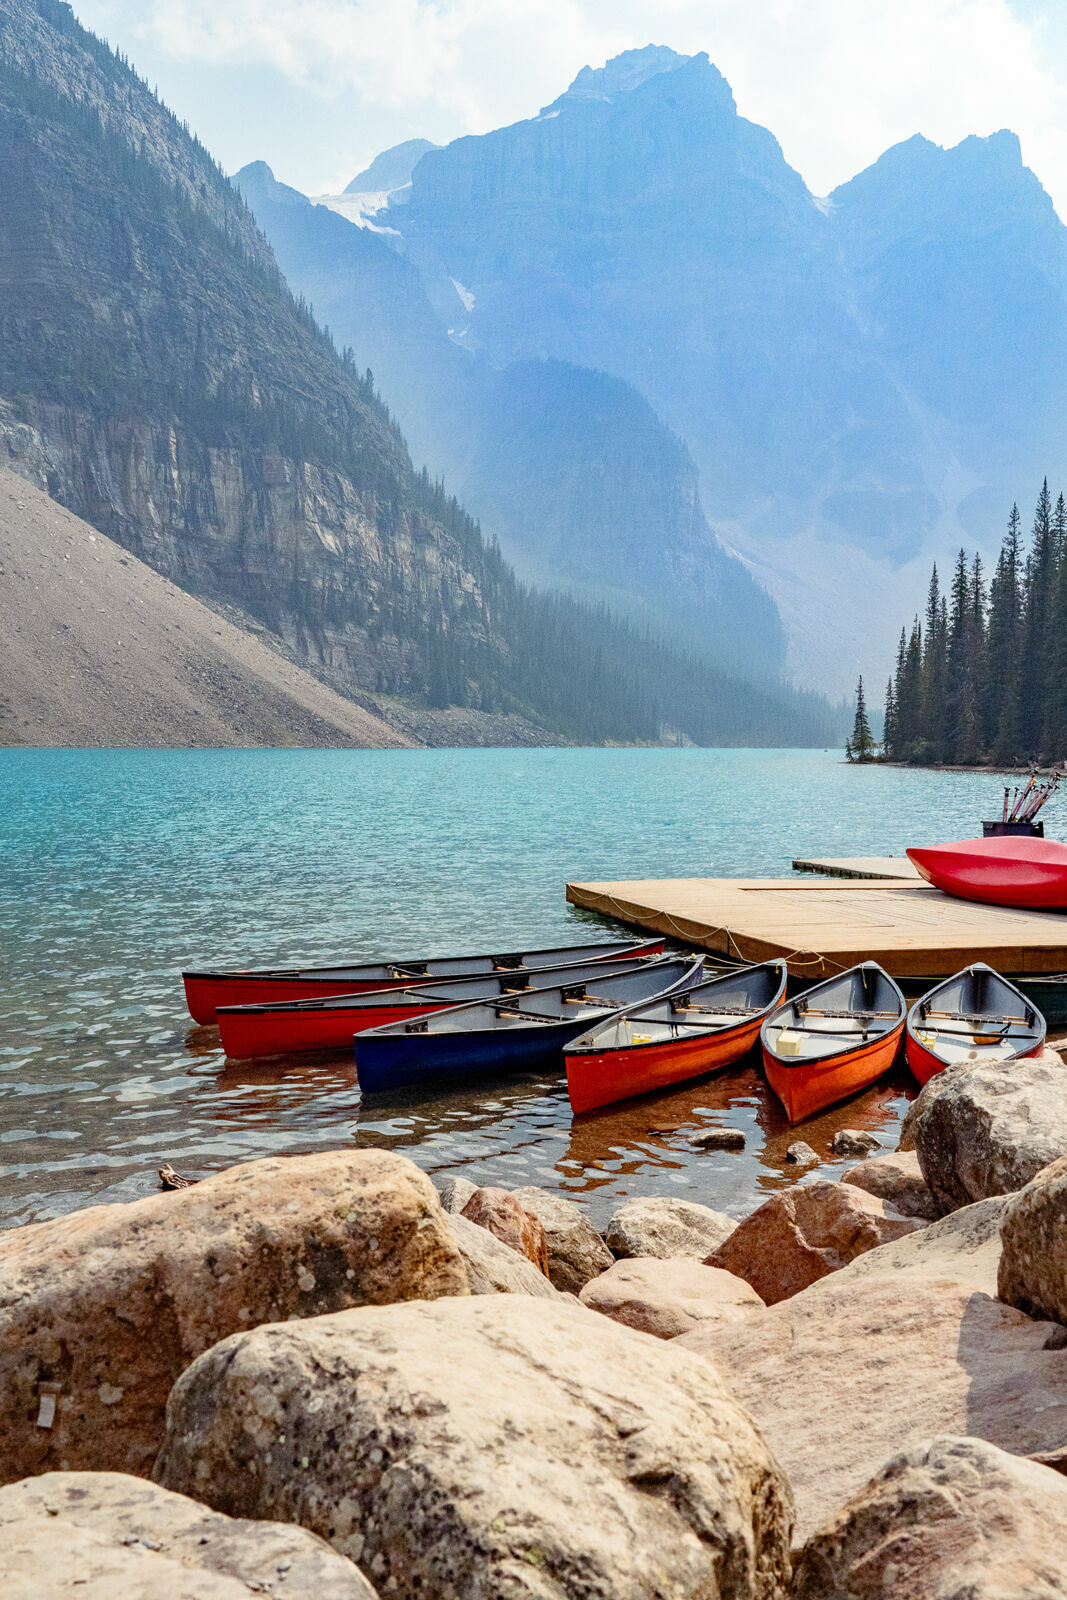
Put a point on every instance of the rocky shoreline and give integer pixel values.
(320, 1376)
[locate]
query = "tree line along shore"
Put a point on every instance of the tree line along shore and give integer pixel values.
(981, 680)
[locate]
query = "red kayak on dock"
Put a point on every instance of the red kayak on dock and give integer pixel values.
(671, 1039)
(1023, 872)
(330, 1024)
(206, 991)
(833, 1041)
(975, 1016)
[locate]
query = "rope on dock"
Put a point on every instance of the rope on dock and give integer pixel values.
(792, 958)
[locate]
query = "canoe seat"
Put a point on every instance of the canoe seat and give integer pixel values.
(679, 1004)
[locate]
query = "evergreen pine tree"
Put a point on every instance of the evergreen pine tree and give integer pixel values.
(1035, 627)
(1003, 649)
(889, 724)
(864, 745)
(932, 716)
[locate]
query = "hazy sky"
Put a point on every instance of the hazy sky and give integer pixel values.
(318, 87)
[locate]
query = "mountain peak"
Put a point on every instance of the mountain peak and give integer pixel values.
(392, 168)
(623, 73)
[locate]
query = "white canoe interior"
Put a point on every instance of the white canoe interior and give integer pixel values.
(976, 1016)
(842, 1014)
(711, 1007)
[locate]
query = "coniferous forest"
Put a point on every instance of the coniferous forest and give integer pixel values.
(983, 676)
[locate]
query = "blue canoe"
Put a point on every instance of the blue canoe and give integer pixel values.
(517, 1033)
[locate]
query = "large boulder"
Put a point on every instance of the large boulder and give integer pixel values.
(488, 1447)
(854, 1369)
(576, 1252)
(666, 1227)
(502, 1215)
(964, 1246)
(950, 1519)
(897, 1179)
(988, 1129)
(493, 1267)
(667, 1298)
(111, 1535)
(1033, 1263)
(802, 1233)
(101, 1310)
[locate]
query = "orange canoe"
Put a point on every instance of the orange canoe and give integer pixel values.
(975, 1016)
(676, 1037)
(833, 1040)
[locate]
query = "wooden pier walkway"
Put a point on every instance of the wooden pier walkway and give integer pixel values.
(858, 867)
(822, 926)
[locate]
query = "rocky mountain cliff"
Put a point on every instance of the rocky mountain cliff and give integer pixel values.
(860, 380)
(160, 380)
(583, 484)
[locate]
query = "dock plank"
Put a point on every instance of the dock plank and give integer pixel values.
(823, 926)
(858, 866)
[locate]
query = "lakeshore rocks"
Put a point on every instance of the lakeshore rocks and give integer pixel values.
(101, 1310)
(667, 1227)
(111, 1535)
(801, 1154)
(855, 1369)
(854, 1142)
(455, 1193)
(964, 1246)
(501, 1214)
(951, 1519)
(802, 1233)
(897, 1179)
(988, 1129)
(489, 1447)
(1033, 1264)
(576, 1252)
(493, 1267)
(718, 1139)
(666, 1298)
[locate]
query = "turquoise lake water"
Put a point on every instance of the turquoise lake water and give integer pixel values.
(118, 868)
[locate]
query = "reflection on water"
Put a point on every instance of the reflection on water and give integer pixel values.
(117, 868)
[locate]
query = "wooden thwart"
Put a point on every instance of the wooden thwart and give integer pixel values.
(823, 927)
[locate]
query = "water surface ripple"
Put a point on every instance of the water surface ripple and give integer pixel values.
(119, 867)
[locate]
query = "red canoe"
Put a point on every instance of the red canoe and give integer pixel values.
(1002, 872)
(330, 1024)
(833, 1041)
(676, 1037)
(975, 1016)
(206, 991)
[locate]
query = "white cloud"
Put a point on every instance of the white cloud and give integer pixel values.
(836, 80)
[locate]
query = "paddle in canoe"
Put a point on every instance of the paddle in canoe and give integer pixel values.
(832, 1040)
(519, 1033)
(206, 991)
(975, 1016)
(668, 1040)
(286, 1026)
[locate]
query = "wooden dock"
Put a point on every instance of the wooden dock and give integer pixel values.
(858, 867)
(822, 926)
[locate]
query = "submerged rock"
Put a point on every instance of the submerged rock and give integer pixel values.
(110, 1536)
(1033, 1264)
(493, 1267)
(718, 1139)
(576, 1252)
(501, 1214)
(854, 1142)
(101, 1310)
(988, 1129)
(666, 1298)
(952, 1519)
(802, 1233)
(897, 1179)
(489, 1447)
(855, 1369)
(666, 1227)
